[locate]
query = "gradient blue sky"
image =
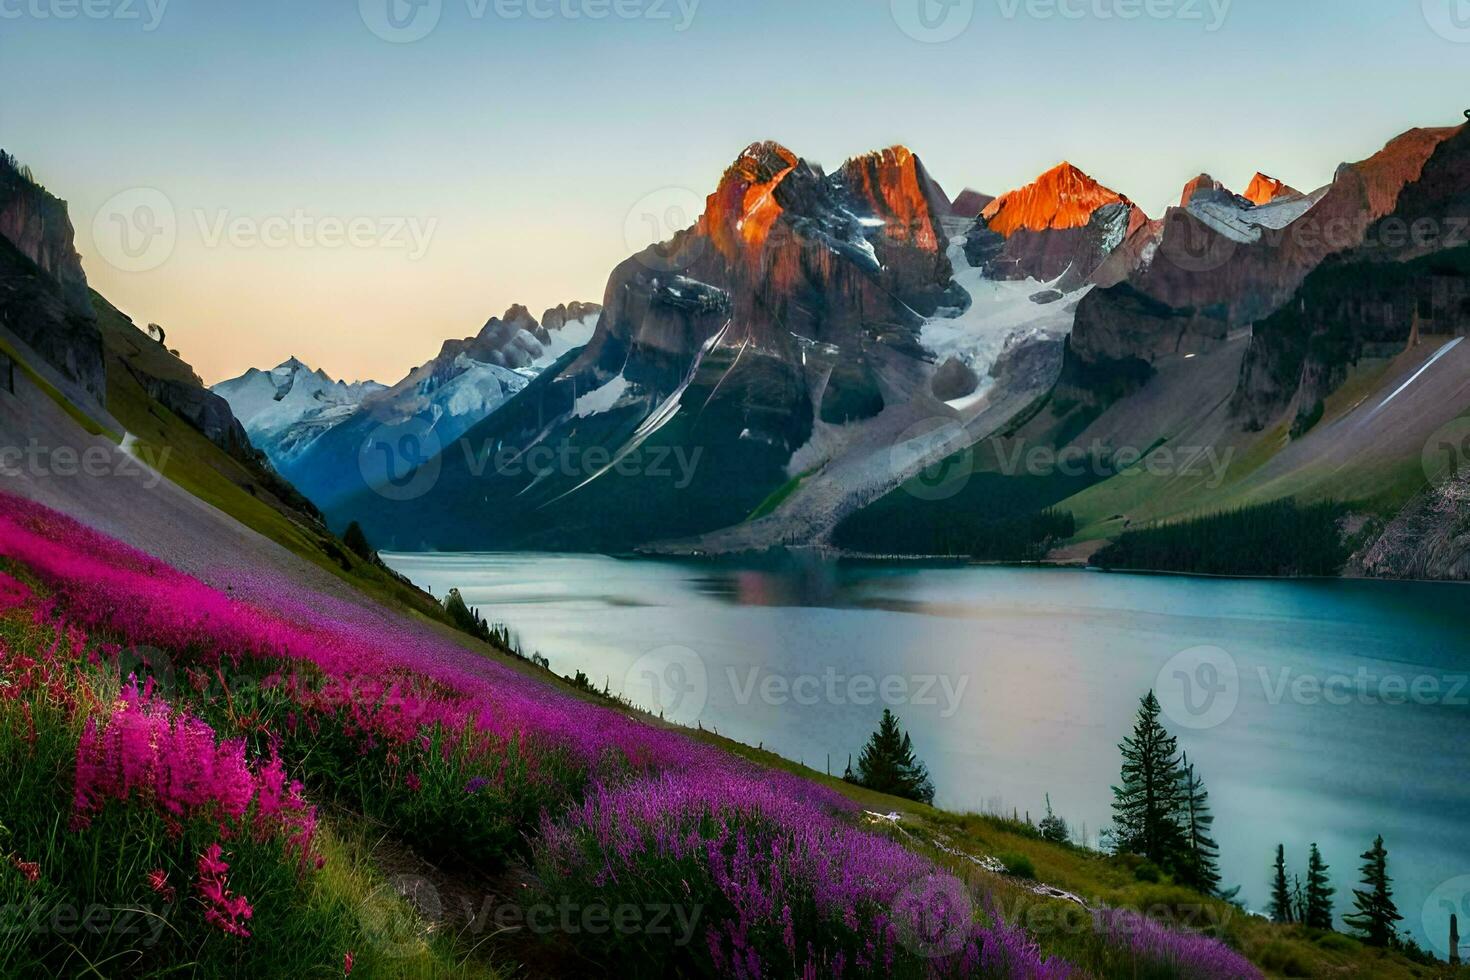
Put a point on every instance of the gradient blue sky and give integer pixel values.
(529, 142)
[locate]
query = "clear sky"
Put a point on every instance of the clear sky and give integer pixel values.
(311, 188)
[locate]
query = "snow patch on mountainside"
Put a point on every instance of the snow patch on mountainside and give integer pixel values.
(602, 399)
(998, 310)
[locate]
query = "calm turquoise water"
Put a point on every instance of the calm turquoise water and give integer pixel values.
(1319, 711)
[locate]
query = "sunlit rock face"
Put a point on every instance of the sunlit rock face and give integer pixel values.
(1060, 228)
(1264, 189)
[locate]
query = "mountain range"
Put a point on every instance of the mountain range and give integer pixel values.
(850, 360)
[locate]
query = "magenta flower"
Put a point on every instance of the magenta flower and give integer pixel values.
(223, 909)
(158, 881)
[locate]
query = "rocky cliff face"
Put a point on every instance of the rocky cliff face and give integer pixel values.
(970, 203)
(1222, 262)
(1264, 189)
(44, 298)
(798, 272)
(1396, 288)
(798, 298)
(1430, 539)
(38, 225)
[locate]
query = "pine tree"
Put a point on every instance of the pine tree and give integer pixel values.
(1053, 827)
(1146, 805)
(1282, 910)
(1199, 861)
(1319, 893)
(357, 542)
(1376, 913)
(888, 765)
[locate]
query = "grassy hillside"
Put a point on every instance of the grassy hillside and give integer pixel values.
(248, 493)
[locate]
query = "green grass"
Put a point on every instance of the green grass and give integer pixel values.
(778, 496)
(201, 468)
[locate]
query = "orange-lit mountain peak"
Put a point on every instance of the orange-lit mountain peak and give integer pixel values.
(894, 183)
(739, 215)
(1264, 189)
(1063, 197)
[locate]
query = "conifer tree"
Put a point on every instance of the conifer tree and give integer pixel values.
(887, 764)
(1376, 912)
(1053, 827)
(1147, 803)
(1199, 860)
(1319, 893)
(1282, 906)
(357, 542)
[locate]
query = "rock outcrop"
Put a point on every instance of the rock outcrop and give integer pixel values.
(44, 299)
(1408, 278)
(1263, 189)
(1222, 262)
